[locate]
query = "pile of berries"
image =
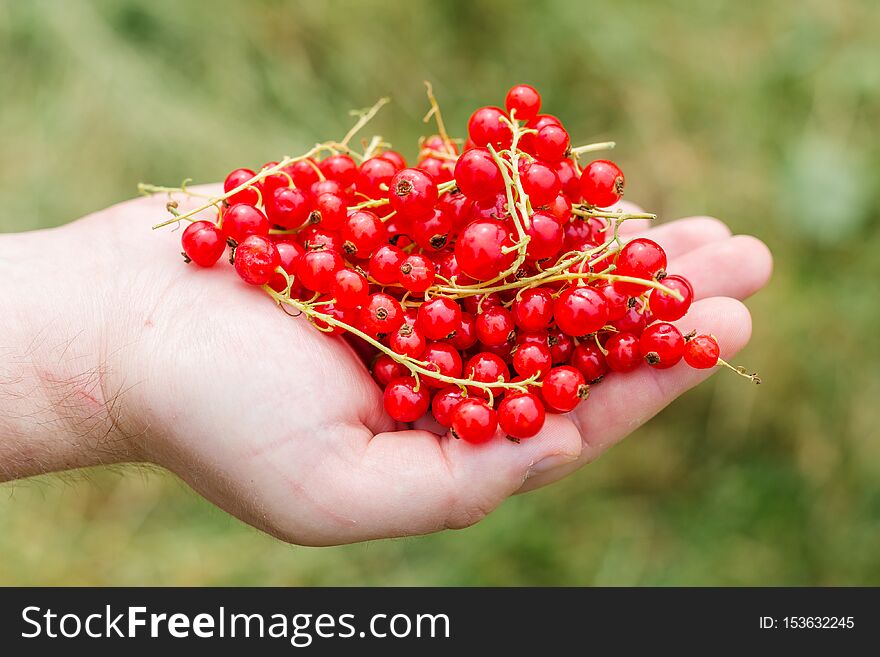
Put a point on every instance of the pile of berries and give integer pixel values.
(487, 284)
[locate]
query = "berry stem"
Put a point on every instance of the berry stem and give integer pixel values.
(592, 148)
(739, 369)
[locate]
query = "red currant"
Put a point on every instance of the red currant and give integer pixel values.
(242, 220)
(412, 192)
(395, 158)
(525, 100)
(350, 289)
(569, 179)
(432, 231)
(532, 359)
(289, 256)
(546, 237)
(248, 195)
(551, 143)
(408, 340)
(495, 326)
(533, 309)
(563, 389)
(330, 211)
(439, 318)
(340, 168)
(580, 311)
(465, 335)
(416, 273)
(661, 345)
(561, 346)
(304, 173)
(477, 175)
(521, 416)
(374, 177)
(480, 248)
(385, 369)
(288, 207)
(444, 403)
(385, 264)
(443, 358)
(640, 258)
(602, 183)
(403, 402)
(560, 207)
(256, 258)
(317, 269)
(474, 421)
(623, 352)
(381, 315)
(203, 243)
(362, 234)
(702, 352)
(485, 367)
(667, 307)
(487, 126)
(589, 360)
(540, 183)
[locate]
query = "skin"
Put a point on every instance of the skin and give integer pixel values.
(111, 350)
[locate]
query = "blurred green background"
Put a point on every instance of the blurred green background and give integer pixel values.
(763, 113)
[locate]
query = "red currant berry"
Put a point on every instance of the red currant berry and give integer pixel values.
(702, 352)
(381, 315)
(385, 369)
(546, 237)
(432, 231)
(330, 211)
(640, 258)
(540, 183)
(474, 421)
(615, 300)
(569, 179)
(412, 192)
(485, 367)
(521, 416)
(439, 318)
(540, 336)
(532, 359)
(289, 256)
(580, 311)
(563, 389)
(480, 248)
(403, 402)
(561, 346)
(602, 183)
(374, 177)
(273, 181)
(661, 345)
(350, 289)
(340, 168)
(203, 243)
(527, 142)
(408, 340)
(443, 358)
(348, 316)
(248, 195)
(476, 304)
(525, 100)
(362, 234)
(589, 360)
(560, 208)
(385, 264)
(632, 321)
(495, 326)
(317, 269)
(477, 175)
(551, 143)
(395, 158)
(439, 170)
(256, 259)
(667, 307)
(288, 207)
(325, 187)
(416, 273)
(465, 335)
(315, 238)
(533, 309)
(242, 220)
(457, 207)
(304, 173)
(487, 126)
(623, 352)
(444, 403)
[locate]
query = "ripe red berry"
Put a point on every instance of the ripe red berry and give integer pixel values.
(325, 187)
(362, 233)
(395, 158)
(667, 307)
(527, 142)
(439, 170)
(639, 258)
(256, 258)
(203, 243)
(495, 326)
(623, 352)
(249, 195)
(444, 403)
(317, 269)
(533, 309)
(563, 389)
(465, 335)
(602, 183)
(551, 143)
(560, 207)
(385, 264)
(327, 306)
(443, 358)
(569, 179)
(615, 300)
(487, 126)
(273, 181)
(474, 421)
(416, 273)
(340, 168)
(702, 352)
(546, 237)
(480, 247)
(661, 345)
(477, 304)
(330, 211)
(485, 367)
(525, 100)
(412, 192)
(385, 369)
(381, 315)
(304, 173)
(477, 175)
(589, 360)
(288, 207)
(521, 415)
(540, 183)
(315, 238)
(561, 346)
(242, 220)
(350, 289)
(431, 232)
(439, 318)
(580, 311)
(403, 402)
(532, 359)
(633, 321)
(408, 340)
(374, 177)
(289, 256)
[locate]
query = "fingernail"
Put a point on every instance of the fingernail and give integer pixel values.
(549, 463)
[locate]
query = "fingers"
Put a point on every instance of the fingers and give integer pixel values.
(623, 402)
(683, 235)
(412, 482)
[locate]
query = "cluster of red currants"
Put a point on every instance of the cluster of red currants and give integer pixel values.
(488, 282)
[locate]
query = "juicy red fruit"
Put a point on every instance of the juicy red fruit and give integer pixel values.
(474, 421)
(203, 243)
(256, 259)
(521, 415)
(403, 402)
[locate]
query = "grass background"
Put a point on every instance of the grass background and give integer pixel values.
(763, 113)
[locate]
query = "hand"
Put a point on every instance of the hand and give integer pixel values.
(277, 423)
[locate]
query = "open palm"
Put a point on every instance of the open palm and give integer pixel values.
(283, 426)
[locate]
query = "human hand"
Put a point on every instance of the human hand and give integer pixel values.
(283, 426)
